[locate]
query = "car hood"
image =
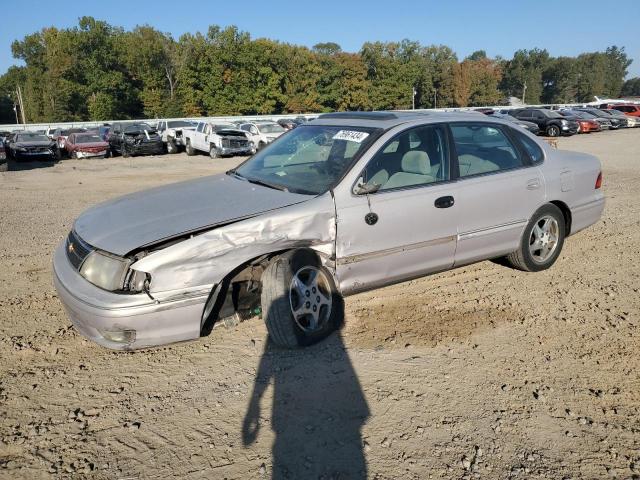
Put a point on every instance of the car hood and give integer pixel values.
(34, 144)
(143, 218)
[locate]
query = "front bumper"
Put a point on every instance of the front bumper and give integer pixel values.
(34, 155)
(91, 154)
(237, 151)
(145, 148)
(569, 129)
(94, 311)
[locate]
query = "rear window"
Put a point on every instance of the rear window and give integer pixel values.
(533, 149)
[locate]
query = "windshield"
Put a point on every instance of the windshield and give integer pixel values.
(139, 127)
(179, 124)
(224, 126)
(88, 139)
(552, 114)
(308, 159)
(270, 128)
(32, 137)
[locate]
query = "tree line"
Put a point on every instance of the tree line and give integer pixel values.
(96, 71)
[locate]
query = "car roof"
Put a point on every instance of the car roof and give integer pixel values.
(386, 120)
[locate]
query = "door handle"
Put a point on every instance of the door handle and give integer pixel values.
(444, 202)
(533, 184)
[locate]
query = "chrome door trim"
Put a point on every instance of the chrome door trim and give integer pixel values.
(390, 251)
(491, 230)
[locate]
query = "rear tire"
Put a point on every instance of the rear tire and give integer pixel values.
(288, 285)
(4, 167)
(541, 241)
(189, 149)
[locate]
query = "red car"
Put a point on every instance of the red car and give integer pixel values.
(86, 145)
(588, 126)
(631, 109)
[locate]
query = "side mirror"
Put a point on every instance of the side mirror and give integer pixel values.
(362, 188)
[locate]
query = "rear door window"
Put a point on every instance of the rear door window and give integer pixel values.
(483, 148)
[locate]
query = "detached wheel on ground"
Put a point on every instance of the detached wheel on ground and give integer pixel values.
(541, 242)
(171, 146)
(300, 302)
(553, 130)
(189, 149)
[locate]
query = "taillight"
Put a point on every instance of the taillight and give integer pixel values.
(599, 181)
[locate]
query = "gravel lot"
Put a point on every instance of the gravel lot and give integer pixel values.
(481, 372)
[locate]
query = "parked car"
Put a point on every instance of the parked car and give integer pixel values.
(530, 126)
(3, 158)
(86, 145)
(627, 121)
(128, 139)
(550, 122)
(287, 123)
(218, 139)
(262, 134)
(344, 204)
(630, 109)
(172, 132)
(60, 136)
(586, 121)
(32, 146)
(607, 122)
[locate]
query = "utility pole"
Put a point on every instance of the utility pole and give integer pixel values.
(21, 102)
(413, 99)
(435, 98)
(524, 91)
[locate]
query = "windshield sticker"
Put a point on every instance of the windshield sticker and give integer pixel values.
(351, 136)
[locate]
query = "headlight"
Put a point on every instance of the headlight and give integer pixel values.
(104, 270)
(564, 122)
(21, 149)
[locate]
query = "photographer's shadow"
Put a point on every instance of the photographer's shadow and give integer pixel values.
(317, 414)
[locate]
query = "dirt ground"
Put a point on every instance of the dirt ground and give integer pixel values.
(481, 372)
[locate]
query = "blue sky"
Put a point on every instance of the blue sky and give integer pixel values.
(500, 27)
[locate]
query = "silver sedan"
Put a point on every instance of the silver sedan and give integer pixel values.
(346, 203)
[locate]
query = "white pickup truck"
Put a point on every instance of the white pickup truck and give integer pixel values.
(172, 133)
(218, 139)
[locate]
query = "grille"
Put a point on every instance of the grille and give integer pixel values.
(77, 250)
(234, 143)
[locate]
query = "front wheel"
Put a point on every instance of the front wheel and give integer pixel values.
(300, 302)
(189, 149)
(541, 242)
(214, 152)
(553, 130)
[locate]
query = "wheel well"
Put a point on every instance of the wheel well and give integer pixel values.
(566, 213)
(239, 291)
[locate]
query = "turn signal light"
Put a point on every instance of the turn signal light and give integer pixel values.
(599, 181)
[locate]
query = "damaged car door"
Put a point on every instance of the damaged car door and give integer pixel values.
(399, 221)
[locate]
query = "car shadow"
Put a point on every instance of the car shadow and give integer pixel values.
(318, 411)
(14, 166)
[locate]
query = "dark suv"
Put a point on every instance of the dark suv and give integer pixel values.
(550, 122)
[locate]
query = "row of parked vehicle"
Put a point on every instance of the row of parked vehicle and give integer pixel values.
(140, 138)
(569, 121)
(219, 139)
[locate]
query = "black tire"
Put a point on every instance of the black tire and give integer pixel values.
(276, 300)
(4, 167)
(189, 149)
(553, 131)
(261, 145)
(171, 146)
(522, 259)
(123, 151)
(214, 152)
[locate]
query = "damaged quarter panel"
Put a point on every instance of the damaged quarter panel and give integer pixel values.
(205, 259)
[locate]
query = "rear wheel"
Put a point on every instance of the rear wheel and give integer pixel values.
(541, 242)
(553, 130)
(300, 302)
(189, 149)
